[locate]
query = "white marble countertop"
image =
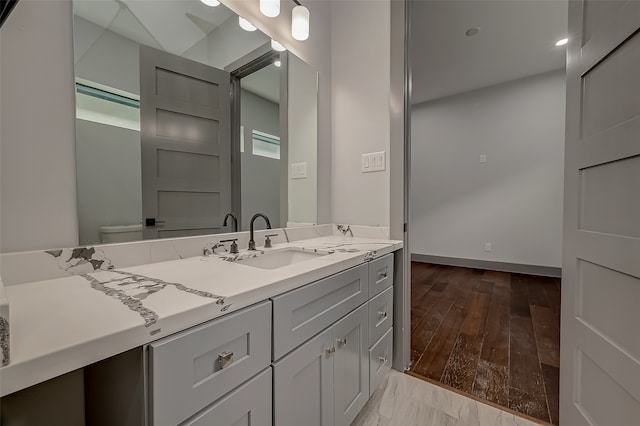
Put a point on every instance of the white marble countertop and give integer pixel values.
(63, 324)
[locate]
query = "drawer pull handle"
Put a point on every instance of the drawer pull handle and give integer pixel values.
(383, 314)
(330, 351)
(342, 342)
(382, 275)
(383, 360)
(225, 358)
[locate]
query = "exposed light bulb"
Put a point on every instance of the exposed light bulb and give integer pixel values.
(562, 42)
(277, 46)
(270, 8)
(212, 3)
(300, 23)
(246, 25)
(277, 63)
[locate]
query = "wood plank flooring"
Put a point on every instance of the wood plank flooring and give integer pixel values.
(493, 335)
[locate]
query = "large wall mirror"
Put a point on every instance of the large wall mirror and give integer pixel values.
(183, 116)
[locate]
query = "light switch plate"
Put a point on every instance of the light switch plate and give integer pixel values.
(299, 170)
(373, 162)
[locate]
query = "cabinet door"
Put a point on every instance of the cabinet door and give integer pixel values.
(303, 384)
(248, 405)
(351, 365)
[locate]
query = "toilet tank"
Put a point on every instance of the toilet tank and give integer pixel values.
(120, 233)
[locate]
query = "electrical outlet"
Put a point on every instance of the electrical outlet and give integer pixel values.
(487, 246)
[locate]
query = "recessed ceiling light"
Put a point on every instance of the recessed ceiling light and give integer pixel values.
(246, 25)
(562, 42)
(472, 31)
(212, 3)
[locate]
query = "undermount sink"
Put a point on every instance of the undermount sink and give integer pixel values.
(279, 259)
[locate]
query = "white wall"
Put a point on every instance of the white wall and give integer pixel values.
(360, 45)
(39, 203)
(303, 140)
(514, 200)
(37, 149)
(109, 182)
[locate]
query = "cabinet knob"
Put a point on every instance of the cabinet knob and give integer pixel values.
(330, 351)
(383, 360)
(225, 358)
(382, 275)
(342, 342)
(382, 314)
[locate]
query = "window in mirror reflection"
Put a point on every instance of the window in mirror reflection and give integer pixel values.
(100, 104)
(265, 145)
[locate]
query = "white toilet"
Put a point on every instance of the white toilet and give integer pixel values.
(120, 233)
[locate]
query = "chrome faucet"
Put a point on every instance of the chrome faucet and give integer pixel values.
(252, 243)
(235, 221)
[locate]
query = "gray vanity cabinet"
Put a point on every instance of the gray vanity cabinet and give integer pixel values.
(191, 370)
(351, 365)
(248, 405)
(303, 384)
(301, 313)
(325, 382)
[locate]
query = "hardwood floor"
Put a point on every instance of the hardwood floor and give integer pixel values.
(493, 335)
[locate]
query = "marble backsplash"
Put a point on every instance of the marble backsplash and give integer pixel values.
(24, 267)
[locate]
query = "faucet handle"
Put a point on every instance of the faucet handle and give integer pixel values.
(234, 245)
(267, 240)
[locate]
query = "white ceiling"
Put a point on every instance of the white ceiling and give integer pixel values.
(516, 40)
(172, 26)
(264, 82)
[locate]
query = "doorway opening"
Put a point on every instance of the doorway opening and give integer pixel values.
(487, 172)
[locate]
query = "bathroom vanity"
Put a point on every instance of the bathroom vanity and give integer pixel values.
(298, 334)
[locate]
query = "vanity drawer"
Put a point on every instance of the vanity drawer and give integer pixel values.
(249, 405)
(191, 369)
(304, 312)
(380, 274)
(380, 315)
(380, 360)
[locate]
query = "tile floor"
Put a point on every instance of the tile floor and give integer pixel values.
(403, 400)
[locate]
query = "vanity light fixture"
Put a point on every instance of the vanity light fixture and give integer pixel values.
(562, 42)
(277, 46)
(270, 8)
(246, 25)
(212, 3)
(299, 22)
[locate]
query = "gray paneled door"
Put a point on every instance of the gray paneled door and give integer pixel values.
(185, 112)
(600, 336)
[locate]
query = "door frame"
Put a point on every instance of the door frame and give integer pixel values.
(246, 65)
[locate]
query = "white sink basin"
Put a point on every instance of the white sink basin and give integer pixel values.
(279, 259)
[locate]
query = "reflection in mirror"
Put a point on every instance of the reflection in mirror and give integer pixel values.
(260, 145)
(153, 143)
